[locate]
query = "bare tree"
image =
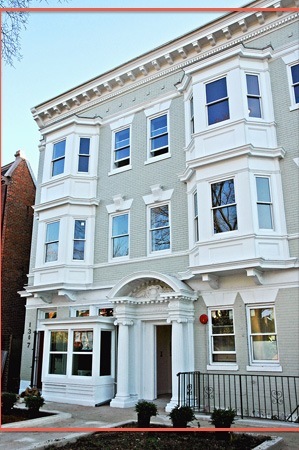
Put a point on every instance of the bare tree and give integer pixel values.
(13, 23)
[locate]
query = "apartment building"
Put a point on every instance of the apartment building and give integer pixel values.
(165, 236)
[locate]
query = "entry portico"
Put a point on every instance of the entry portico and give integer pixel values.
(155, 314)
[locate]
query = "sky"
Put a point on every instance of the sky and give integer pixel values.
(63, 50)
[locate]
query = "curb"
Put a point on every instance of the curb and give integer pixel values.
(40, 421)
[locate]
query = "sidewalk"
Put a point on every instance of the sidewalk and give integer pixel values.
(77, 420)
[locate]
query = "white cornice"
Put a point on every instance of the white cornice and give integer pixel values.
(224, 33)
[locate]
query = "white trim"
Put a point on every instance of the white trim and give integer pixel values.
(119, 204)
(157, 195)
(225, 366)
(259, 368)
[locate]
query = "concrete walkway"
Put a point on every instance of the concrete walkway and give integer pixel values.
(75, 421)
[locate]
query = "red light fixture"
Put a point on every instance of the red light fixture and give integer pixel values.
(203, 319)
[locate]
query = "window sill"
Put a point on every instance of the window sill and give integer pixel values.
(265, 368)
(120, 170)
(294, 107)
(157, 158)
(159, 253)
(227, 367)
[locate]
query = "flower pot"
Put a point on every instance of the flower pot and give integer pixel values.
(143, 420)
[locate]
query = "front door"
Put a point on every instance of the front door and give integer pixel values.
(163, 345)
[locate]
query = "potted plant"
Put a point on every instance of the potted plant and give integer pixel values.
(144, 411)
(181, 415)
(8, 399)
(34, 403)
(223, 418)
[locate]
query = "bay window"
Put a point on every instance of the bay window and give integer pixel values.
(52, 241)
(79, 240)
(58, 158)
(58, 352)
(253, 96)
(264, 203)
(82, 353)
(83, 160)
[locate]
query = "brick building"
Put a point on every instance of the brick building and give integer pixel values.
(17, 196)
(167, 193)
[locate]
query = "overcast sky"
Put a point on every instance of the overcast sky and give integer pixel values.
(63, 50)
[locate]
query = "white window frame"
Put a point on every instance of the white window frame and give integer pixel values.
(220, 99)
(84, 155)
(214, 208)
(114, 161)
(51, 242)
(259, 96)
(54, 160)
(82, 329)
(79, 239)
(150, 230)
(261, 364)
(58, 352)
(259, 202)
(227, 364)
(150, 156)
(111, 237)
(290, 60)
(293, 84)
(191, 112)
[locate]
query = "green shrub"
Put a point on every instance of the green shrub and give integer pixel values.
(181, 415)
(223, 418)
(8, 399)
(34, 403)
(144, 411)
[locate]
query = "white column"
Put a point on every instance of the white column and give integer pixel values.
(123, 399)
(179, 349)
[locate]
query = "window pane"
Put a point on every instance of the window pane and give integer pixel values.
(263, 189)
(123, 153)
(120, 246)
(223, 343)
(83, 164)
(216, 90)
(264, 348)
(296, 92)
(223, 193)
(79, 232)
(218, 112)
(58, 167)
(295, 73)
(159, 125)
(161, 141)
(82, 365)
(159, 217)
(105, 358)
(84, 146)
(106, 312)
(224, 357)
(262, 320)
(59, 150)
(82, 313)
(265, 216)
(195, 204)
(52, 252)
(252, 84)
(254, 107)
(52, 231)
(122, 138)
(83, 341)
(120, 225)
(57, 364)
(222, 322)
(78, 251)
(59, 341)
(161, 239)
(225, 219)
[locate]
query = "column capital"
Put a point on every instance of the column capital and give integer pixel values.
(124, 322)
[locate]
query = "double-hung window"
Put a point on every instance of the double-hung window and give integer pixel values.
(159, 228)
(295, 81)
(120, 235)
(222, 336)
(224, 206)
(52, 241)
(253, 96)
(79, 239)
(58, 158)
(195, 212)
(58, 352)
(82, 352)
(217, 101)
(121, 153)
(262, 334)
(83, 160)
(158, 136)
(264, 203)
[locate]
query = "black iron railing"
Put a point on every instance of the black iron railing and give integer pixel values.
(259, 396)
